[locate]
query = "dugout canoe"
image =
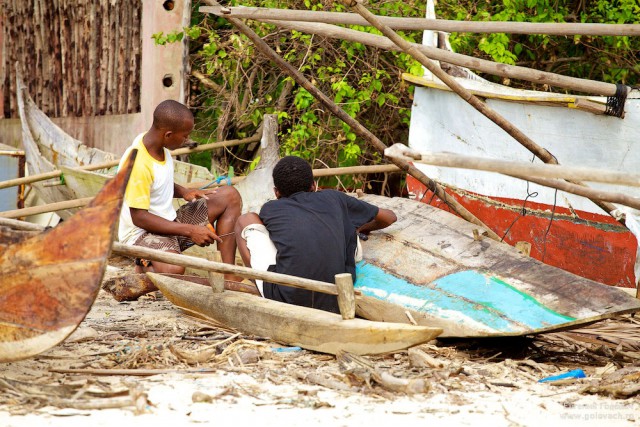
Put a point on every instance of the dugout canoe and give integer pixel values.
(563, 229)
(49, 280)
(289, 324)
(429, 267)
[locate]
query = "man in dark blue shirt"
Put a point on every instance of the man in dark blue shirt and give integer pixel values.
(306, 233)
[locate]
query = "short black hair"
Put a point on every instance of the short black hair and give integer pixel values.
(291, 175)
(171, 115)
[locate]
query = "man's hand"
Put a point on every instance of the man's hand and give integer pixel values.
(192, 195)
(203, 236)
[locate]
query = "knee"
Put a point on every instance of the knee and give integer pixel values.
(233, 197)
(244, 220)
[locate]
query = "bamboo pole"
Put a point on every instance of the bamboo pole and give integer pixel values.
(557, 29)
(490, 67)
(69, 204)
(51, 207)
(106, 165)
(356, 126)
(524, 169)
(219, 267)
(316, 173)
(568, 187)
(476, 103)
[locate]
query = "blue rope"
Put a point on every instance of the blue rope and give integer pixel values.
(218, 180)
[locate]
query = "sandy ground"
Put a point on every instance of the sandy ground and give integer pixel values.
(213, 376)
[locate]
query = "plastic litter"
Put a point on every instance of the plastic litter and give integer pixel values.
(576, 373)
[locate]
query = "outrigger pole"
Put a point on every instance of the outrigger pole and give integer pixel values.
(358, 128)
(474, 101)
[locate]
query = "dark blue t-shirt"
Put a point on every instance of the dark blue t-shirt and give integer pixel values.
(315, 235)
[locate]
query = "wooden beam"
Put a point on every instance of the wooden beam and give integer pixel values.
(558, 29)
(360, 130)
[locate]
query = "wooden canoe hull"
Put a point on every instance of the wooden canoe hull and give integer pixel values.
(591, 245)
(428, 264)
(305, 327)
(48, 281)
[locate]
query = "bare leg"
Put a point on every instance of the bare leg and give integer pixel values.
(224, 208)
(241, 223)
(161, 267)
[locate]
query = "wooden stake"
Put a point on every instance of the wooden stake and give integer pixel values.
(355, 125)
(216, 280)
(560, 29)
(346, 297)
(476, 103)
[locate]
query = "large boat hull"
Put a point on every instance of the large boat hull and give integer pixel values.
(564, 230)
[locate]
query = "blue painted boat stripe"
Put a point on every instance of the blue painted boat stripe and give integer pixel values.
(461, 297)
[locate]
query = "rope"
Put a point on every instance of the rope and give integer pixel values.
(218, 180)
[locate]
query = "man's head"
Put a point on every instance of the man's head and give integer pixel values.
(292, 175)
(174, 121)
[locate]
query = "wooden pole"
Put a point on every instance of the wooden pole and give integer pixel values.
(106, 165)
(514, 170)
(490, 67)
(316, 173)
(199, 263)
(356, 126)
(558, 29)
(219, 267)
(476, 103)
(51, 207)
(522, 169)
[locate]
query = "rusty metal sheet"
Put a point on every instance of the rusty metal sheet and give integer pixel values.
(429, 267)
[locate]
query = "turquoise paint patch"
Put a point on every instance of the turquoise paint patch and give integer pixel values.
(460, 297)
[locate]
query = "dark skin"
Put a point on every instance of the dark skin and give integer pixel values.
(383, 219)
(224, 205)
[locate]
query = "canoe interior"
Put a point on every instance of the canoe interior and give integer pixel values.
(305, 327)
(429, 265)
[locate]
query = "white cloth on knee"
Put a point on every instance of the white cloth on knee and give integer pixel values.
(263, 252)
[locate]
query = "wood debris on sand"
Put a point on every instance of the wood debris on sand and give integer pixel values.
(127, 349)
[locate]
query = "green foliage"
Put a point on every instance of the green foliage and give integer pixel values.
(609, 59)
(242, 85)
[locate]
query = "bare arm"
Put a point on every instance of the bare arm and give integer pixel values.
(383, 219)
(200, 235)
